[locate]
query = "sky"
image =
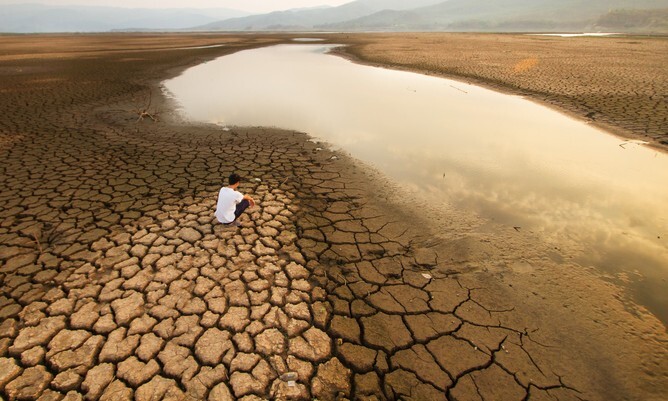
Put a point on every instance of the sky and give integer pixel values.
(255, 6)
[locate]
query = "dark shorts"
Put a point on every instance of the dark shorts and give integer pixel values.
(241, 206)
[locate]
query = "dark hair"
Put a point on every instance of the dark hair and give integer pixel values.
(234, 178)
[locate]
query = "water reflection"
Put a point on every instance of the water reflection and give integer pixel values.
(503, 156)
(574, 35)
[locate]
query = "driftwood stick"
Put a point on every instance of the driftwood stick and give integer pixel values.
(39, 245)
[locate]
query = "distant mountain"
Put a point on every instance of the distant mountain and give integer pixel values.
(25, 18)
(634, 21)
(496, 15)
(307, 19)
(360, 15)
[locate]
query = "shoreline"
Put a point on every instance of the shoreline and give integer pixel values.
(385, 54)
(330, 277)
(501, 87)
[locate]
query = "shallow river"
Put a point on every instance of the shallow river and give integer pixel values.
(501, 156)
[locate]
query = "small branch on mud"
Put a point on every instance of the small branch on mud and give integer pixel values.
(39, 246)
(145, 113)
(344, 279)
(285, 180)
(47, 235)
(141, 112)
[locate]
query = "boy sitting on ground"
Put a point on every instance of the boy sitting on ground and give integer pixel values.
(231, 203)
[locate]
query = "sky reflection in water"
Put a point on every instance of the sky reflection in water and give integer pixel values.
(500, 155)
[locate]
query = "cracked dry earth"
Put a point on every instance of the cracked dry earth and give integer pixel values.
(137, 293)
(118, 284)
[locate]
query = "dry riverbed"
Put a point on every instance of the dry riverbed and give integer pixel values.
(116, 282)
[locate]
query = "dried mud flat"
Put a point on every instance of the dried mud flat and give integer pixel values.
(116, 282)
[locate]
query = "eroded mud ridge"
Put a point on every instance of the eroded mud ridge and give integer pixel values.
(116, 282)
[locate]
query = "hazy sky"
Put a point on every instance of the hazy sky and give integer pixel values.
(245, 5)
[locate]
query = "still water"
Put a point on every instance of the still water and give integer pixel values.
(501, 156)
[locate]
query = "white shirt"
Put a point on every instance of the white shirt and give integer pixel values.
(227, 204)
